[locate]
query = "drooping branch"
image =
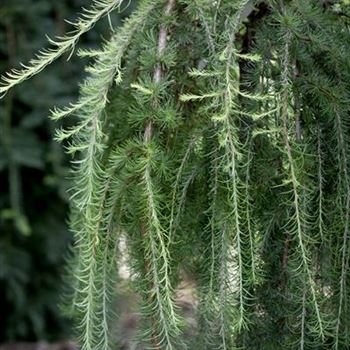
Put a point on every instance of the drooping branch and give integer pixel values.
(88, 19)
(344, 176)
(298, 217)
(163, 316)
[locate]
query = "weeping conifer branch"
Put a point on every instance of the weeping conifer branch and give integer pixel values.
(320, 182)
(343, 179)
(93, 181)
(298, 220)
(177, 203)
(198, 136)
(248, 214)
(164, 319)
(88, 19)
(165, 322)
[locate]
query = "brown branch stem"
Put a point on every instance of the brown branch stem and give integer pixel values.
(158, 73)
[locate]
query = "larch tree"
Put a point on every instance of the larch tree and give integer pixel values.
(214, 137)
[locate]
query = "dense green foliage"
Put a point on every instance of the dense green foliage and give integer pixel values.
(213, 136)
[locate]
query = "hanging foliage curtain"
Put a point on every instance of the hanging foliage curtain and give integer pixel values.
(214, 136)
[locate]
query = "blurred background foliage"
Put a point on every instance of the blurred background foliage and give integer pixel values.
(34, 174)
